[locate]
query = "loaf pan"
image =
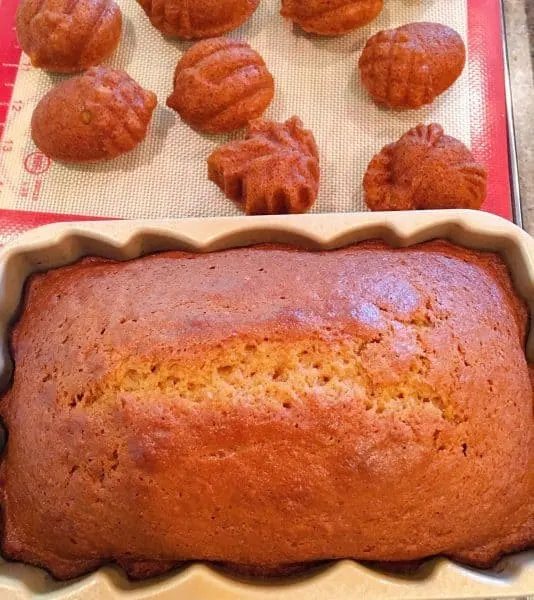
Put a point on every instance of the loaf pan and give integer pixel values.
(60, 244)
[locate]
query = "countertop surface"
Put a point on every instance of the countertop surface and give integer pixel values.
(519, 16)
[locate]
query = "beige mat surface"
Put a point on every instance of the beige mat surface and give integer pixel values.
(316, 79)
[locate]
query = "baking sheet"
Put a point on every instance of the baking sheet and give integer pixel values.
(316, 79)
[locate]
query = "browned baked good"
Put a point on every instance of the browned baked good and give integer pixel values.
(274, 170)
(410, 66)
(331, 17)
(220, 85)
(95, 116)
(66, 37)
(198, 19)
(267, 406)
(425, 169)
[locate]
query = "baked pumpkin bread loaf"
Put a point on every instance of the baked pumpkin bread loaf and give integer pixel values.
(425, 169)
(198, 19)
(66, 37)
(220, 85)
(268, 406)
(96, 116)
(331, 17)
(408, 67)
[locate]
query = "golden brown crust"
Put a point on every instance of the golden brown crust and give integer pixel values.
(425, 169)
(67, 37)
(331, 17)
(375, 402)
(198, 19)
(220, 85)
(410, 66)
(275, 170)
(95, 116)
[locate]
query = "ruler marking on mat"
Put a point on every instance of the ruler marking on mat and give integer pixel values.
(10, 54)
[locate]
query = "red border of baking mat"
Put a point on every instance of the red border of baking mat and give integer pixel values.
(489, 137)
(9, 58)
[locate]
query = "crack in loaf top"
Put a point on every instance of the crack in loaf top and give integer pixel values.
(174, 302)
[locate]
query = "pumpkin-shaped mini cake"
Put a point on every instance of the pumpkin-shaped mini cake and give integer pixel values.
(220, 85)
(198, 19)
(425, 169)
(331, 17)
(274, 171)
(66, 37)
(410, 66)
(95, 116)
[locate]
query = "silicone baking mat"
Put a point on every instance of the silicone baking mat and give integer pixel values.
(316, 79)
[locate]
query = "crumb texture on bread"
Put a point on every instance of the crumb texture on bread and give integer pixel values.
(266, 407)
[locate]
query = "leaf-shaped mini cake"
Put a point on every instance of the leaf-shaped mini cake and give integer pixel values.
(425, 169)
(274, 171)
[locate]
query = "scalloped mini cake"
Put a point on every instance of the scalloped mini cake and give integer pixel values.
(66, 37)
(198, 19)
(95, 116)
(331, 17)
(274, 170)
(410, 66)
(425, 169)
(220, 85)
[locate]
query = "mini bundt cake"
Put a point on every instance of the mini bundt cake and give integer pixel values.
(198, 19)
(425, 169)
(95, 116)
(67, 37)
(274, 170)
(220, 85)
(410, 66)
(331, 17)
